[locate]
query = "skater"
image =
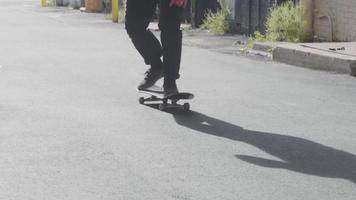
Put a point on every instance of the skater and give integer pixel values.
(163, 57)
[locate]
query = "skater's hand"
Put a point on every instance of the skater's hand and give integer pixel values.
(179, 3)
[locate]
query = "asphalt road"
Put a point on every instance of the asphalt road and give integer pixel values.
(71, 127)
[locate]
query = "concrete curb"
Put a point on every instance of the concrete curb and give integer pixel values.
(296, 54)
(353, 69)
(264, 46)
(304, 55)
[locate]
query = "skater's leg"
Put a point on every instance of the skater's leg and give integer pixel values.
(138, 16)
(171, 38)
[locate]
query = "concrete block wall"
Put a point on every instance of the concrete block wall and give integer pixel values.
(341, 14)
(251, 15)
(241, 19)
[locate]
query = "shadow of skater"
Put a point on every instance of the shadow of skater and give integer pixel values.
(297, 154)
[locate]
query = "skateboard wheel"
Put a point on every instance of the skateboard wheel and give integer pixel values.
(186, 106)
(141, 100)
(161, 106)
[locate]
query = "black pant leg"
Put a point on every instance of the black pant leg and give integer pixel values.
(171, 39)
(138, 16)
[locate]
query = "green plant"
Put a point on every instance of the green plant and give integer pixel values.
(122, 13)
(259, 37)
(286, 23)
(250, 43)
(217, 22)
(50, 2)
(224, 4)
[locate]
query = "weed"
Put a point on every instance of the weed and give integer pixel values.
(217, 22)
(259, 37)
(122, 13)
(286, 23)
(51, 2)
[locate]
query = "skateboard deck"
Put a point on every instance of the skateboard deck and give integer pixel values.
(157, 97)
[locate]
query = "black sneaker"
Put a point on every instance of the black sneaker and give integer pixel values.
(151, 77)
(170, 90)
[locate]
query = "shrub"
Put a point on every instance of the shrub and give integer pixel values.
(286, 23)
(122, 11)
(259, 37)
(50, 2)
(217, 22)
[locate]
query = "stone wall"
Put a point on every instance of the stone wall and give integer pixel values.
(335, 20)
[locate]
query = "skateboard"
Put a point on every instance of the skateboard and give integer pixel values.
(157, 97)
